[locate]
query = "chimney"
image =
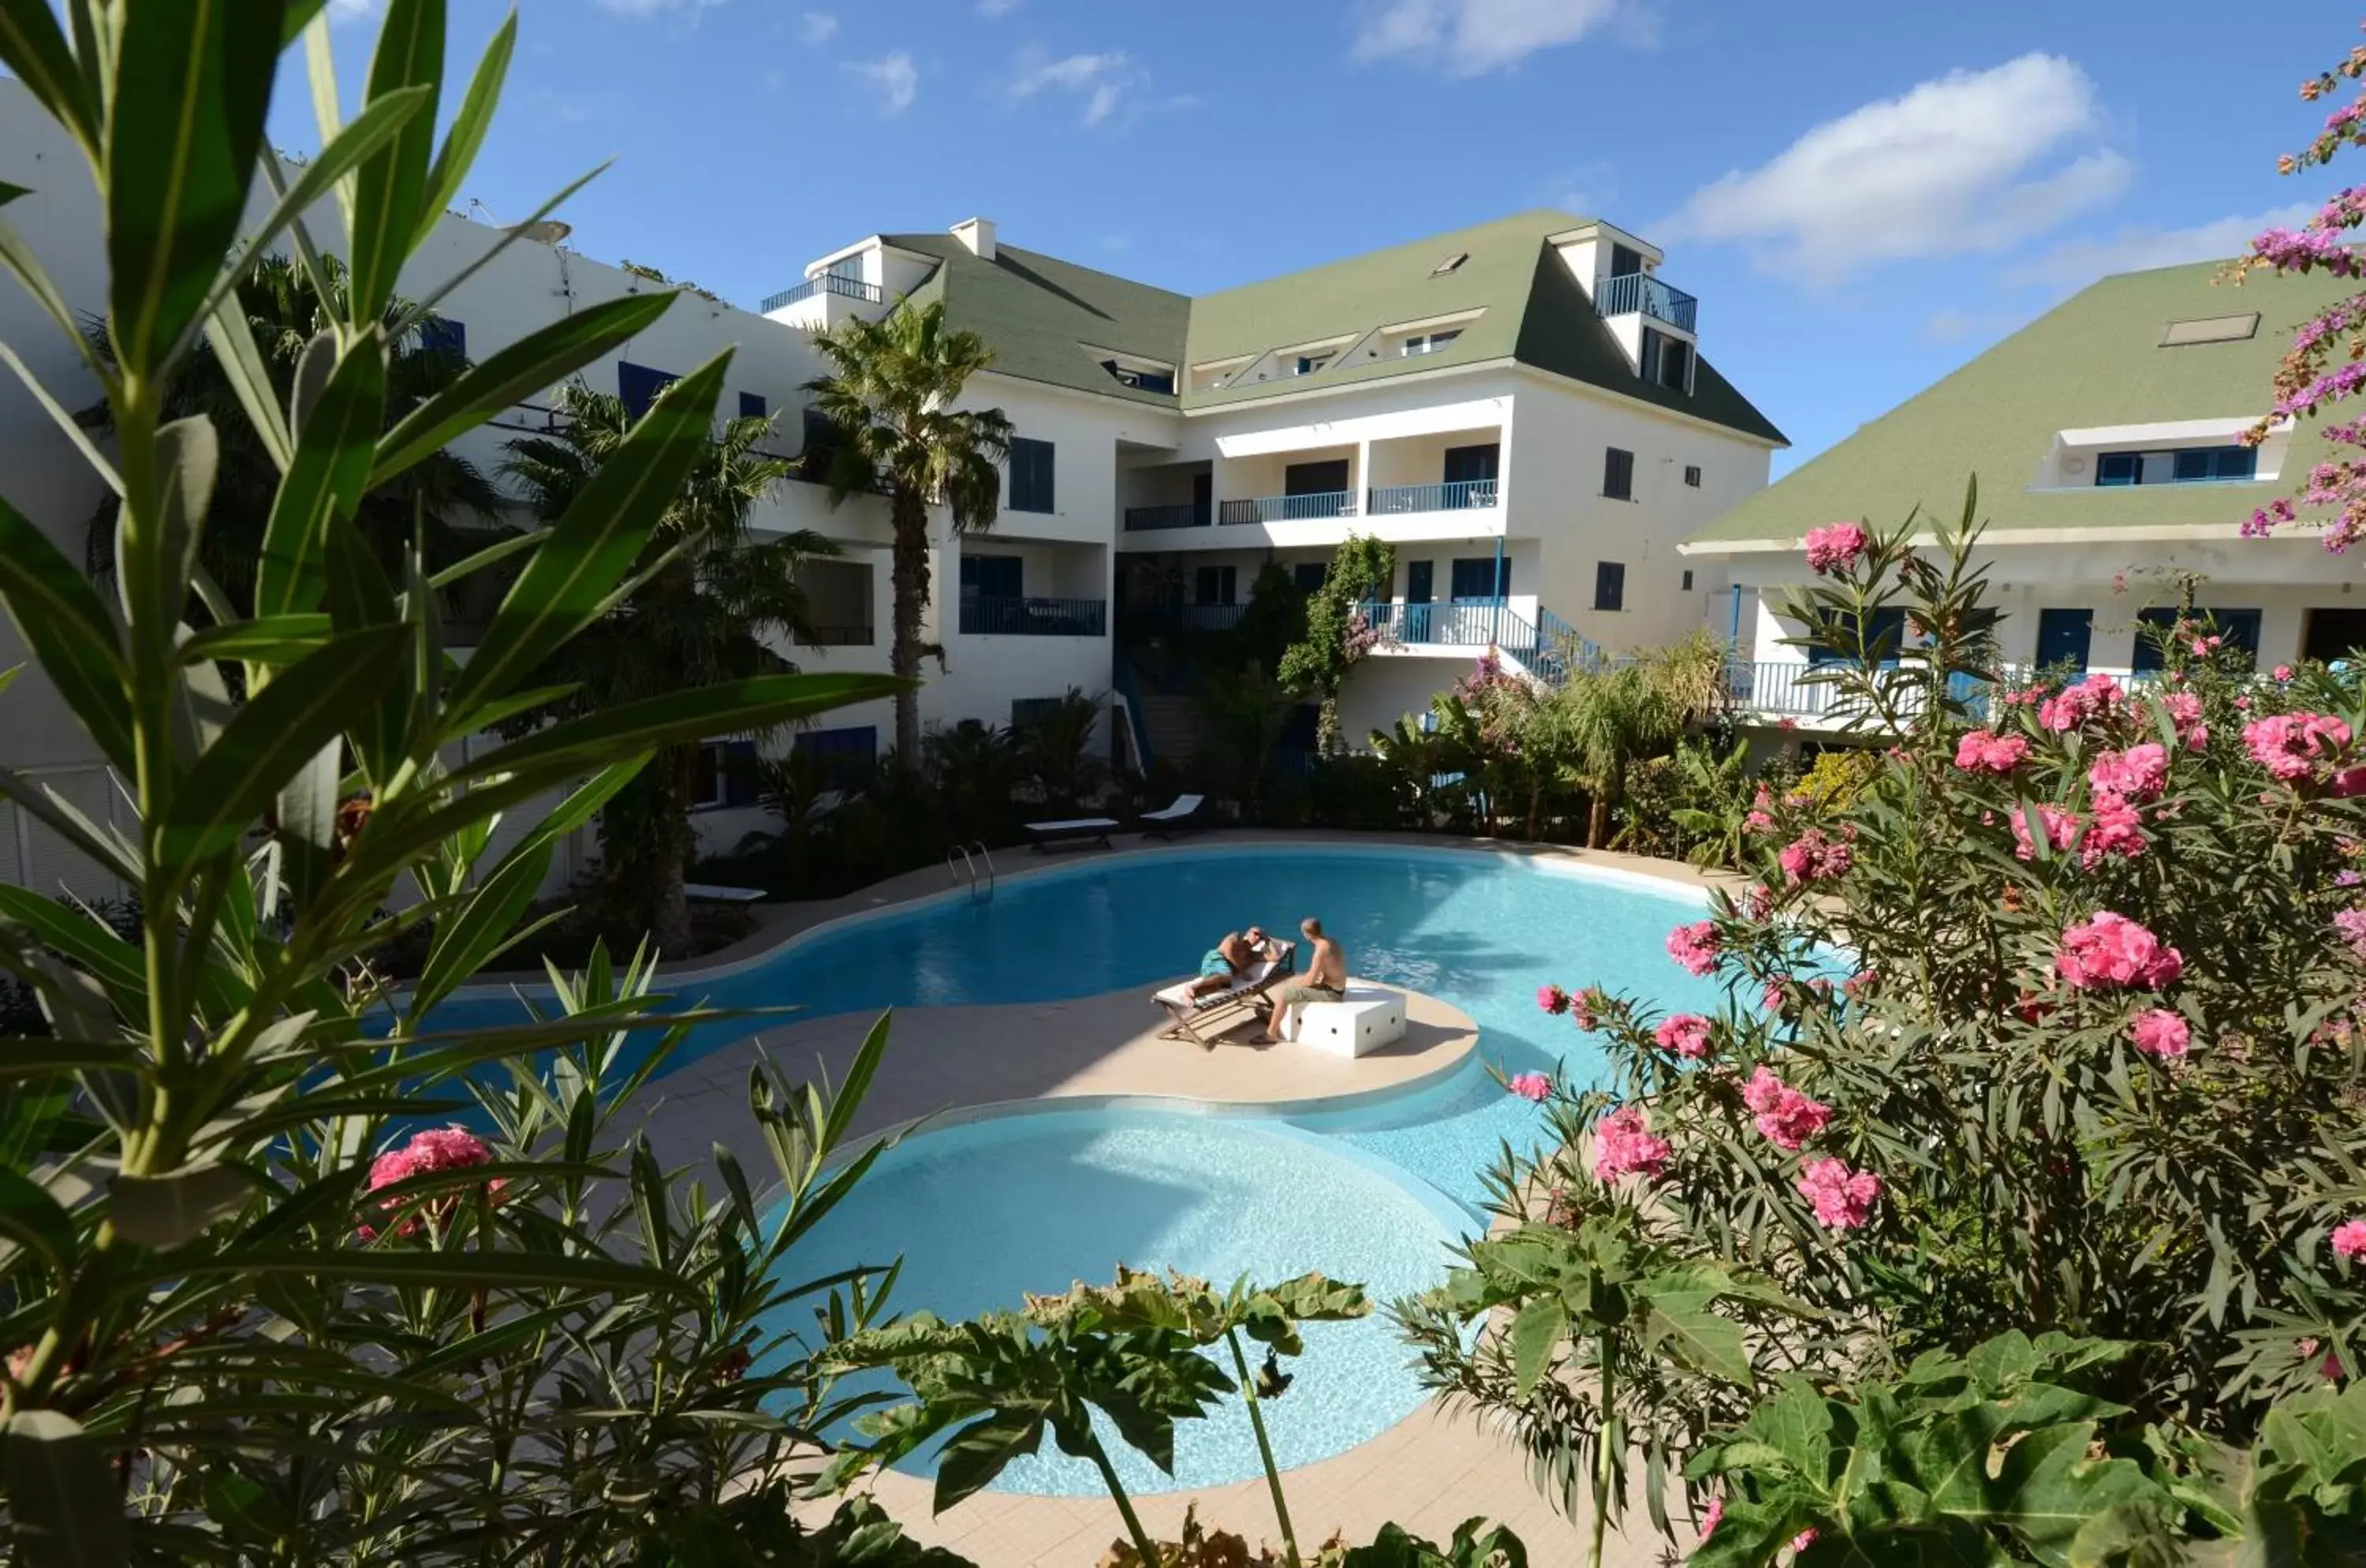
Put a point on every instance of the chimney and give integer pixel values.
(977, 233)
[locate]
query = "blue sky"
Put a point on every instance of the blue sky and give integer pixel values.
(1863, 195)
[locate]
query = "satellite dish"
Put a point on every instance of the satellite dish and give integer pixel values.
(548, 231)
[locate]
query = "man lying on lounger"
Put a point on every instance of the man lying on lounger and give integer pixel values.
(1326, 979)
(1230, 958)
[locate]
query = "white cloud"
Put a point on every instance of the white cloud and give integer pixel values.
(344, 11)
(1074, 72)
(993, 10)
(1969, 161)
(817, 27)
(898, 83)
(2080, 262)
(1108, 84)
(1472, 36)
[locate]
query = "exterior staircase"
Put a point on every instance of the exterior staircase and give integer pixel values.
(1546, 649)
(1171, 726)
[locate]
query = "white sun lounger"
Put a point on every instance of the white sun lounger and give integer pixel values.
(1188, 1014)
(1097, 828)
(1181, 817)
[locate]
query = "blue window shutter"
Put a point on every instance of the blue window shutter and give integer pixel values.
(1030, 475)
(753, 406)
(739, 773)
(2116, 469)
(637, 386)
(1609, 585)
(441, 335)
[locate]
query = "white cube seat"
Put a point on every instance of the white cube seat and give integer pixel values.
(1367, 1019)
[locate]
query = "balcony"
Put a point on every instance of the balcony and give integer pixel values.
(1639, 292)
(1185, 617)
(1184, 514)
(982, 615)
(1290, 508)
(828, 283)
(1458, 495)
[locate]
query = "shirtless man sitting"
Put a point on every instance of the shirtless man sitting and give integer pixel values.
(1229, 959)
(1326, 979)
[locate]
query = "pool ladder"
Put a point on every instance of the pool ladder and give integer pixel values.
(967, 871)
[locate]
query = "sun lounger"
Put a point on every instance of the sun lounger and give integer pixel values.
(1182, 817)
(1200, 1017)
(1096, 828)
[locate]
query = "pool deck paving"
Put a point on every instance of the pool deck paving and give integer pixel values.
(1428, 1474)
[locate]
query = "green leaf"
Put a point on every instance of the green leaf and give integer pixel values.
(63, 620)
(67, 1510)
(1685, 1322)
(267, 640)
(35, 1221)
(192, 89)
(458, 1270)
(465, 944)
(532, 365)
(41, 1056)
(284, 725)
(325, 478)
(565, 587)
(1535, 1332)
(980, 1451)
(76, 936)
(692, 714)
(232, 337)
(158, 553)
(36, 53)
(466, 135)
(389, 185)
(469, 566)
(166, 1211)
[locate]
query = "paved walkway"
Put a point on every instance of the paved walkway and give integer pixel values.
(1428, 1474)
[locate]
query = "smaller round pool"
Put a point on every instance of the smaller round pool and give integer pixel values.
(984, 1211)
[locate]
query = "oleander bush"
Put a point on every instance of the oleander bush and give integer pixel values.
(2053, 1028)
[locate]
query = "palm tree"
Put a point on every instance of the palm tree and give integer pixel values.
(889, 401)
(287, 313)
(1607, 720)
(711, 612)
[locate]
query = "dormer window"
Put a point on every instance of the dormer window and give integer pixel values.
(1308, 364)
(1427, 342)
(1449, 263)
(1140, 380)
(1666, 361)
(2178, 466)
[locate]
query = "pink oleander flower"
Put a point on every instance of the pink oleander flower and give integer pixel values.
(2113, 951)
(1981, 752)
(1531, 1085)
(431, 1149)
(1759, 902)
(1712, 1514)
(2204, 646)
(1815, 857)
(2290, 745)
(2160, 1032)
(2281, 672)
(2140, 773)
(1757, 822)
(1805, 1538)
(2348, 783)
(1624, 1145)
(1842, 1198)
(2061, 826)
(1584, 1008)
(2116, 831)
(1695, 946)
(1553, 999)
(2350, 925)
(2329, 1369)
(1836, 546)
(1784, 1116)
(1686, 1034)
(1771, 997)
(2347, 879)
(2349, 1240)
(2093, 697)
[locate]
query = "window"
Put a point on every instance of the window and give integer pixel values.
(1427, 342)
(1692, 474)
(2211, 329)
(725, 776)
(1308, 364)
(1213, 584)
(1138, 378)
(442, 335)
(1666, 361)
(845, 755)
(1328, 478)
(1883, 637)
(1619, 474)
(1449, 263)
(2178, 466)
(1480, 577)
(1686, 586)
(2239, 627)
(2064, 638)
(1309, 575)
(2334, 633)
(992, 577)
(1624, 260)
(753, 406)
(1472, 465)
(1030, 475)
(1420, 577)
(1609, 585)
(638, 386)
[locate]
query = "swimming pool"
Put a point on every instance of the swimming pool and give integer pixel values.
(1372, 1190)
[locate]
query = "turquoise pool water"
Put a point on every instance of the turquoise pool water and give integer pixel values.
(1375, 1191)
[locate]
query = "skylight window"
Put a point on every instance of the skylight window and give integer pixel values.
(2211, 329)
(1449, 263)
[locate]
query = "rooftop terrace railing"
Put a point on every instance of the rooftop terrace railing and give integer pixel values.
(1633, 291)
(828, 283)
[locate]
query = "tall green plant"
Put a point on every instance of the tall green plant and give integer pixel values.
(889, 398)
(708, 605)
(1337, 633)
(194, 1137)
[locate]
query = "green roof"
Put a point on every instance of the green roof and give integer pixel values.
(1043, 316)
(2095, 360)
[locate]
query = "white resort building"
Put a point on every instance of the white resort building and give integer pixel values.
(2104, 439)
